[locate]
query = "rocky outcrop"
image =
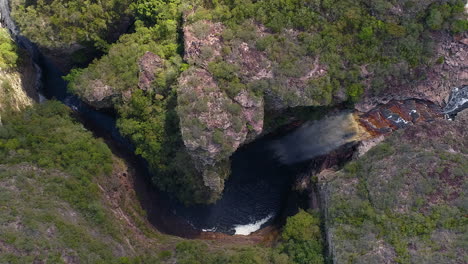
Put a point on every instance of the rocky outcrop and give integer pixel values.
(207, 41)
(449, 70)
(215, 118)
(403, 200)
(394, 115)
(457, 101)
(149, 64)
(100, 95)
(203, 42)
(213, 125)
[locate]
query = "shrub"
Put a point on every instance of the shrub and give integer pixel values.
(303, 238)
(223, 70)
(8, 50)
(234, 108)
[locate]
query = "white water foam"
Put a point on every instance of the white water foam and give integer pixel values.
(209, 229)
(247, 229)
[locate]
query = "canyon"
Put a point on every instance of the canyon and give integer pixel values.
(346, 164)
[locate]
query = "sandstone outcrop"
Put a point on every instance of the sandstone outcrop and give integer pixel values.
(149, 64)
(213, 125)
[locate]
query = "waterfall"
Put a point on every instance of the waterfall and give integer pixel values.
(458, 101)
(318, 138)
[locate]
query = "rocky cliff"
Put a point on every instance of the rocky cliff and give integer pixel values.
(18, 80)
(230, 83)
(402, 202)
(104, 91)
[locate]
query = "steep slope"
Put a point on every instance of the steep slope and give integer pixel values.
(403, 201)
(18, 76)
(66, 197)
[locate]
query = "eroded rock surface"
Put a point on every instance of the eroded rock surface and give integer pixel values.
(148, 64)
(100, 95)
(217, 119)
(213, 125)
(398, 114)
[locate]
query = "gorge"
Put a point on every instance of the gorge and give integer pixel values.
(205, 136)
(263, 171)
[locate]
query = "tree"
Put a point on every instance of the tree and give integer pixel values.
(8, 50)
(303, 239)
(435, 20)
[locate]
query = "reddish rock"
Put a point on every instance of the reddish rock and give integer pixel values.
(398, 114)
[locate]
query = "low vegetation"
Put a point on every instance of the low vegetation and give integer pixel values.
(46, 136)
(413, 212)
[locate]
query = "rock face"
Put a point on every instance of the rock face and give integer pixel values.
(398, 114)
(457, 101)
(203, 42)
(19, 85)
(451, 70)
(216, 119)
(214, 125)
(101, 95)
(148, 65)
(206, 42)
(403, 201)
